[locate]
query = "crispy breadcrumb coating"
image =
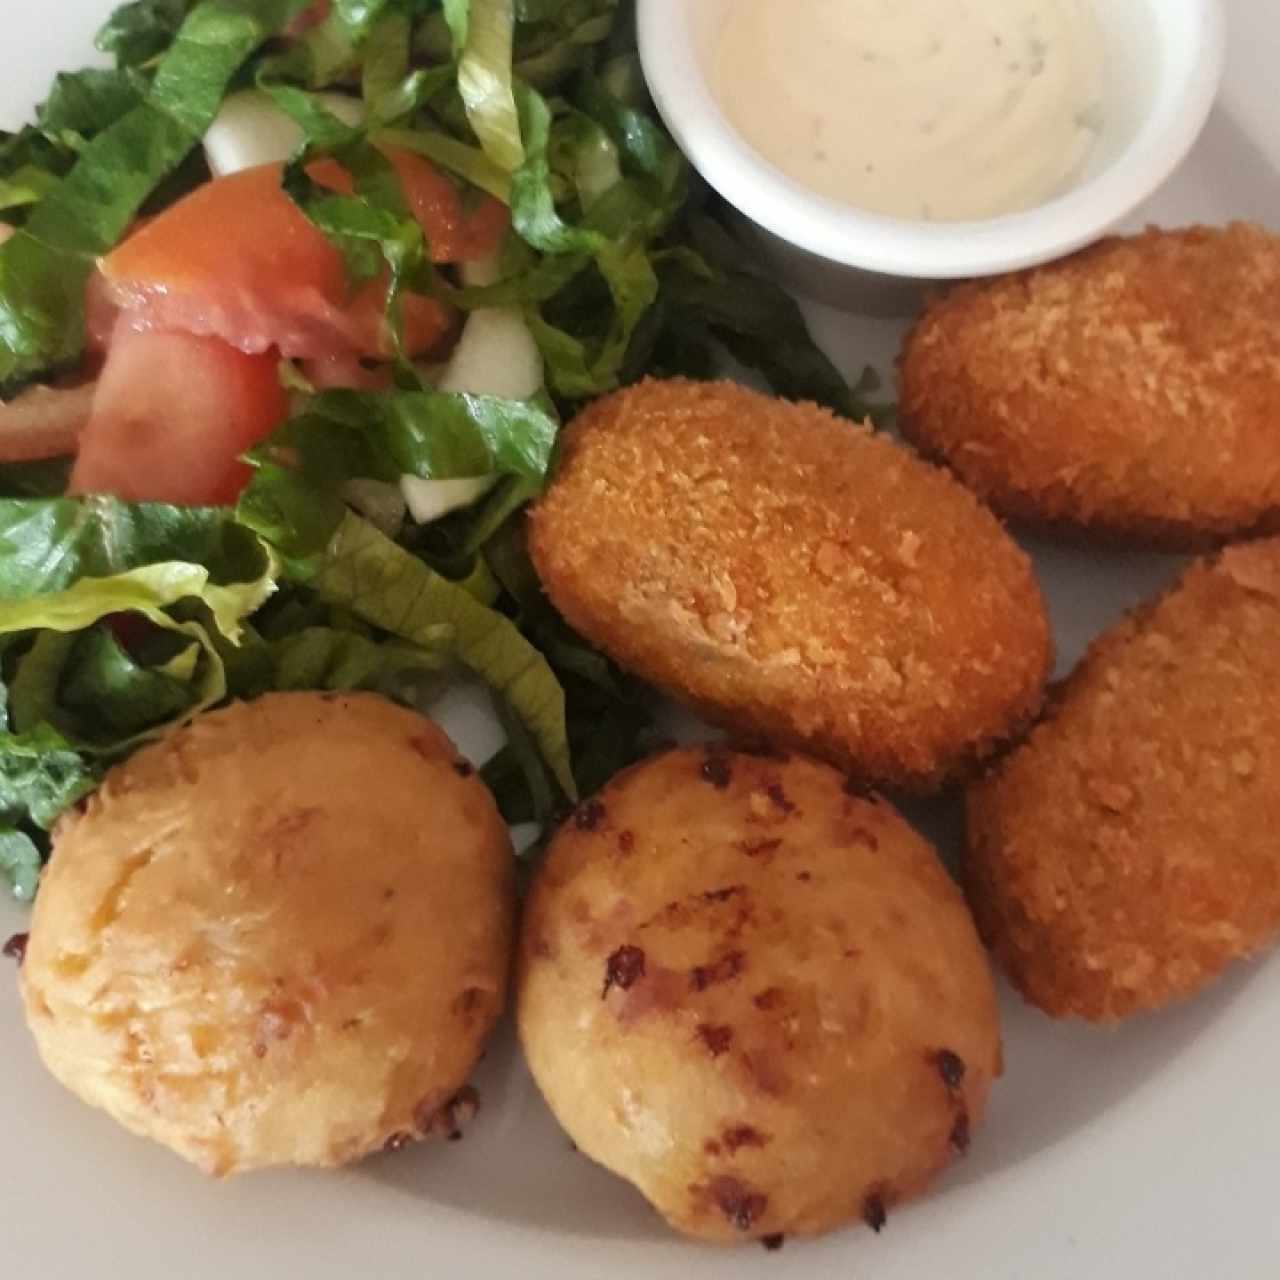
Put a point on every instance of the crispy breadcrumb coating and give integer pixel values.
(1131, 391)
(795, 577)
(1129, 851)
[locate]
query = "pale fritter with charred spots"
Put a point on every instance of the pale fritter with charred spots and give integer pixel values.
(1131, 391)
(795, 577)
(755, 994)
(279, 936)
(1129, 851)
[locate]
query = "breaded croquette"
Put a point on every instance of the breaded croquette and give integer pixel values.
(1129, 851)
(757, 997)
(793, 577)
(1131, 391)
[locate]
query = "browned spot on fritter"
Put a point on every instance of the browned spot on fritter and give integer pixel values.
(764, 1071)
(960, 1132)
(661, 991)
(285, 831)
(723, 895)
(774, 1242)
(589, 816)
(711, 1147)
(725, 969)
(769, 998)
(779, 798)
(463, 768)
(743, 1135)
(857, 788)
(760, 848)
(277, 1020)
(716, 770)
(716, 1038)
(740, 1203)
(626, 843)
(874, 1213)
(16, 947)
(468, 1001)
(424, 746)
(867, 838)
(950, 1067)
(623, 969)
(804, 876)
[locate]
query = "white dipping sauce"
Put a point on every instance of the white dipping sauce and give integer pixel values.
(924, 109)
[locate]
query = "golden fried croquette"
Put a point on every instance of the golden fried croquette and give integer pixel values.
(755, 995)
(1128, 852)
(279, 936)
(1131, 391)
(793, 577)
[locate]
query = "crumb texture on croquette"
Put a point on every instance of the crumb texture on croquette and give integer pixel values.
(794, 576)
(756, 995)
(278, 936)
(1128, 852)
(1131, 391)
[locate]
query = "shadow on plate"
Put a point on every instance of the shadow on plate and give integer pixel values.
(516, 1166)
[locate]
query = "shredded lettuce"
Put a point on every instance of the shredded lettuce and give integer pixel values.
(44, 267)
(434, 435)
(19, 855)
(393, 589)
(620, 263)
(49, 544)
(485, 80)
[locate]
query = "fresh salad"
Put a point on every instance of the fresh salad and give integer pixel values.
(293, 298)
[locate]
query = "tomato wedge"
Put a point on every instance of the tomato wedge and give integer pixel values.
(171, 416)
(237, 260)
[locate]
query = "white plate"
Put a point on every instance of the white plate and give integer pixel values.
(1148, 1152)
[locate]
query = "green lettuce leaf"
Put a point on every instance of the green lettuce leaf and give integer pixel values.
(715, 290)
(431, 434)
(388, 586)
(485, 80)
(47, 544)
(137, 33)
(148, 590)
(33, 687)
(112, 696)
(19, 863)
(82, 104)
(40, 777)
(335, 659)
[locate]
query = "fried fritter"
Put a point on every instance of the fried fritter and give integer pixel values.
(755, 995)
(1129, 851)
(794, 577)
(1131, 391)
(278, 936)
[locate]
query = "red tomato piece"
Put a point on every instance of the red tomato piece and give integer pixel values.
(171, 416)
(237, 260)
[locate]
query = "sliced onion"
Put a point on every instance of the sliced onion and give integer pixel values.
(250, 130)
(495, 356)
(429, 500)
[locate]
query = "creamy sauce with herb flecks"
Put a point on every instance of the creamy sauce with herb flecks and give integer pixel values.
(922, 109)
